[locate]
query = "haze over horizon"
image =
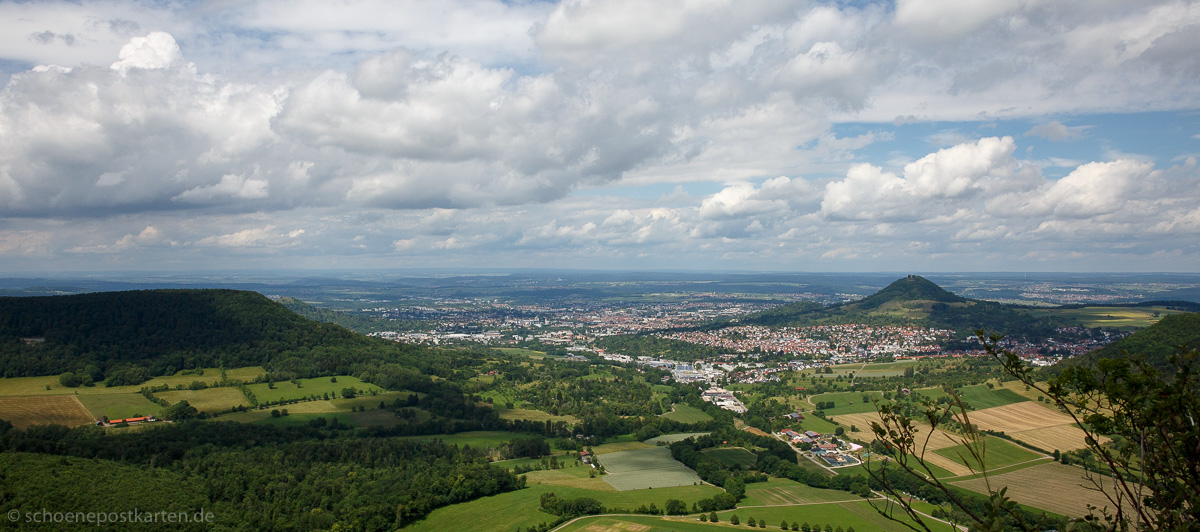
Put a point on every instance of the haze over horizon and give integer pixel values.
(914, 136)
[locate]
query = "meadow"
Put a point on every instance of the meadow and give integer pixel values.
(780, 491)
(980, 397)
(308, 388)
(26, 411)
(652, 467)
(848, 402)
(1052, 487)
(118, 405)
(997, 453)
(736, 457)
(687, 414)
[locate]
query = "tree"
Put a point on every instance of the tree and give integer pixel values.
(712, 517)
(676, 507)
(750, 522)
(1154, 479)
(733, 520)
(348, 393)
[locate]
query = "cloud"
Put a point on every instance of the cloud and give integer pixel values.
(1056, 131)
(230, 186)
(266, 238)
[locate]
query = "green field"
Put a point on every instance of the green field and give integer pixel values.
(481, 439)
(980, 397)
(211, 400)
(287, 391)
(817, 424)
(646, 468)
(38, 385)
(885, 369)
(997, 453)
(848, 402)
(687, 414)
(733, 456)
(780, 491)
(119, 405)
(1126, 318)
(672, 438)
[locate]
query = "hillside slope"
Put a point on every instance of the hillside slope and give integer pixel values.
(163, 331)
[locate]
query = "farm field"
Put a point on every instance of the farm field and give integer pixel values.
(733, 456)
(646, 468)
(1052, 487)
(997, 453)
(38, 385)
(1032, 423)
(26, 411)
(687, 414)
(296, 420)
(571, 477)
(211, 400)
(672, 438)
(286, 391)
(780, 491)
(859, 515)
(979, 397)
(507, 511)
(480, 439)
(619, 447)
(848, 402)
(118, 405)
(885, 369)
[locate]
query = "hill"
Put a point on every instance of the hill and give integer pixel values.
(1156, 342)
(158, 332)
(912, 300)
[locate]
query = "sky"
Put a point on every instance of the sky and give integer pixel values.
(914, 135)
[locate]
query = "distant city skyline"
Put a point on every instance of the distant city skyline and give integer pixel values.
(907, 136)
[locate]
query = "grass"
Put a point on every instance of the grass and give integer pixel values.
(672, 438)
(619, 447)
(26, 411)
(733, 456)
(480, 439)
(859, 515)
(652, 467)
(519, 509)
(287, 391)
(38, 385)
(687, 414)
(119, 405)
(533, 415)
(980, 397)
(848, 402)
(211, 400)
(817, 424)
(998, 453)
(779, 491)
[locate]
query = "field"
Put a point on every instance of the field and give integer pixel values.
(778, 491)
(211, 400)
(848, 402)
(980, 397)
(733, 456)
(672, 438)
(619, 447)
(997, 453)
(119, 405)
(859, 515)
(519, 509)
(687, 414)
(48, 385)
(1052, 487)
(26, 411)
(885, 369)
(646, 468)
(1127, 318)
(286, 391)
(1032, 423)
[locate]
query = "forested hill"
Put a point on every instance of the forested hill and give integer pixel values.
(912, 300)
(1156, 342)
(163, 331)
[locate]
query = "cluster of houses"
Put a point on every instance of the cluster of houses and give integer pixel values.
(724, 399)
(822, 448)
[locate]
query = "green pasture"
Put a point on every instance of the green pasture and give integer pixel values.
(38, 385)
(288, 391)
(781, 491)
(848, 402)
(119, 405)
(817, 424)
(687, 414)
(980, 397)
(533, 415)
(997, 453)
(733, 456)
(295, 420)
(211, 400)
(672, 438)
(480, 439)
(885, 369)
(646, 468)
(859, 515)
